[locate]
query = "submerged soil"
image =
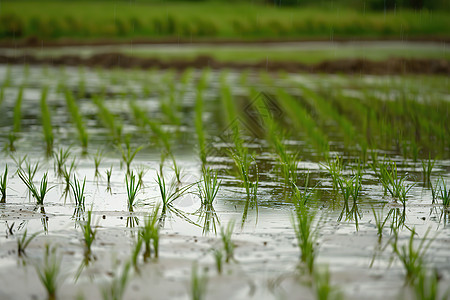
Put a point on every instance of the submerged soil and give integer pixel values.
(346, 66)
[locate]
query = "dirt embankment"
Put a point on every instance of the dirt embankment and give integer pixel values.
(348, 66)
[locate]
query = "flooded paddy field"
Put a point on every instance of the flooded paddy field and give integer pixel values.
(224, 185)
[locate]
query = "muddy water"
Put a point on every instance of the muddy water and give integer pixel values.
(267, 257)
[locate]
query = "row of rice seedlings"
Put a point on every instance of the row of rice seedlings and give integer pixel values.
(17, 119)
(199, 107)
(77, 119)
(411, 121)
(142, 120)
(326, 111)
(303, 121)
(208, 188)
(38, 194)
(108, 119)
(46, 121)
(3, 184)
(288, 161)
(169, 104)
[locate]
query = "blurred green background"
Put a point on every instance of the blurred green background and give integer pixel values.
(198, 20)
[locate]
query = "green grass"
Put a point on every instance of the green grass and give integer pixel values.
(200, 20)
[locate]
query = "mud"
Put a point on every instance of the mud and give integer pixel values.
(346, 66)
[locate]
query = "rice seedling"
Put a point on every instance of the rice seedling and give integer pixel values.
(288, 162)
(135, 253)
(227, 243)
(17, 112)
(412, 258)
(89, 233)
(426, 286)
(393, 183)
(118, 285)
(23, 242)
(108, 177)
(198, 283)
(29, 168)
(77, 119)
(427, 168)
(98, 157)
(67, 174)
(108, 119)
(218, 258)
(440, 191)
(132, 190)
(46, 121)
(169, 193)
(380, 221)
(208, 188)
(322, 287)
(3, 179)
(335, 168)
(199, 108)
(38, 194)
(305, 233)
(12, 138)
(144, 121)
(78, 191)
(243, 163)
(177, 170)
(50, 272)
(141, 171)
(149, 234)
(128, 154)
(61, 158)
(302, 120)
(350, 187)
